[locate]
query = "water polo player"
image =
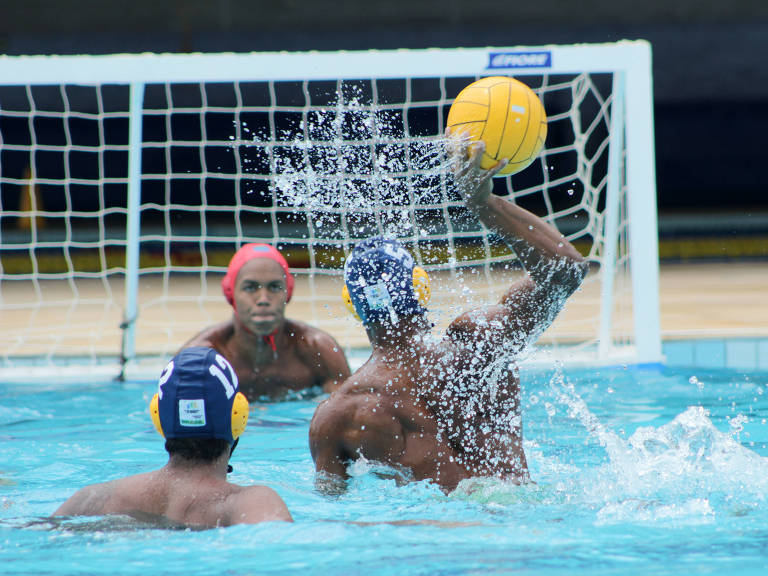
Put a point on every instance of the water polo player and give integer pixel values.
(201, 413)
(273, 356)
(447, 407)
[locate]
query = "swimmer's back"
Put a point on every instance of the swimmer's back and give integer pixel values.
(377, 414)
(190, 501)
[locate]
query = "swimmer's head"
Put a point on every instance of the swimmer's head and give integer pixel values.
(247, 253)
(198, 397)
(382, 281)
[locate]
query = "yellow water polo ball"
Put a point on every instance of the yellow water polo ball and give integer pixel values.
(505, 114)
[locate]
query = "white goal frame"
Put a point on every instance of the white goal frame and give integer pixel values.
(631, 158)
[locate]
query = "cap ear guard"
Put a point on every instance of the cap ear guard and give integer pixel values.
(239, 414)
(154, 411)
(421, 287)
(348, 302)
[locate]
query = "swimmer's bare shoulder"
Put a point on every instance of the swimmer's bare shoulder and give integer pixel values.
(253, 504)
(241, 505)
(381, 423)
(320, 351)
(306, 335)
(121, 496)
(214, 336)
(355, 421)
(502, 328)
(88, 501)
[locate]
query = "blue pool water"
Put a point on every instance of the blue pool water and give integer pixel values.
(637, 471)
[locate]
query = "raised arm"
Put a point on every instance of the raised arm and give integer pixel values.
(554, 267)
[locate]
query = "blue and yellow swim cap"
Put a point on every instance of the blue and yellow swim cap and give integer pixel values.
(383, 282)
(197, 397)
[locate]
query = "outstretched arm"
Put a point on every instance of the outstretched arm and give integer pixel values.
(554, 267)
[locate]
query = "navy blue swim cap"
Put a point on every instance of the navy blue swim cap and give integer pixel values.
(379, 277)
(197, 397)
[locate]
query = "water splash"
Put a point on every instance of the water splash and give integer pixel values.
(19, 415)
(353, 161)
(686, 468)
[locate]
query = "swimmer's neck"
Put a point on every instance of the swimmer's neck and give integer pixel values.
(403, 335)
(259, 341)
(196, 468)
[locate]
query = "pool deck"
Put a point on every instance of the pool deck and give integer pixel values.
(715, 315)
(712, 314)
(714, 299)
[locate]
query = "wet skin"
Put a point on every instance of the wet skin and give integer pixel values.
(304, 357)
(447, 408)
(182, 492)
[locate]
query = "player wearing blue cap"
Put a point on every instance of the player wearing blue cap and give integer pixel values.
(444, 408)
(201, 414)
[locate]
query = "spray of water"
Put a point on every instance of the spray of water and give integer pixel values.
(685, 468)
(353, 160)
(351, 168)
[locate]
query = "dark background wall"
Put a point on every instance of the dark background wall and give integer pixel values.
(710, 60)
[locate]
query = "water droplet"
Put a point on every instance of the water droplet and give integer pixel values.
(695, 380)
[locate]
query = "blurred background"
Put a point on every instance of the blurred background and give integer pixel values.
(710, 74)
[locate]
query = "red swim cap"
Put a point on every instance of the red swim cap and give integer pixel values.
(249, 252)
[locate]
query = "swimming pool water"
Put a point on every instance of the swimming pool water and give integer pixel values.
(637, 470)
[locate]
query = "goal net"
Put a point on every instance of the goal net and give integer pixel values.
(127, 182)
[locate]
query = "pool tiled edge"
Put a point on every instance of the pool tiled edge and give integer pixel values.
(738, 353)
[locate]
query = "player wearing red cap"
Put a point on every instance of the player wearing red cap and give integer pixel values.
(273, 356)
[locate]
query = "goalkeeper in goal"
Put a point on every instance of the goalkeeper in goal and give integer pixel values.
(274, 357)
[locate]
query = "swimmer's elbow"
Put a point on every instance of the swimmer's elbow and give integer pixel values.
(577, 271)
(567, 273)
(331, 484)
(330, 467)
(331, 464)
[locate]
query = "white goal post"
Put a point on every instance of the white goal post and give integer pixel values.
(127, 182)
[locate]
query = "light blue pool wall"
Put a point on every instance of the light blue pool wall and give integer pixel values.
(736, 353)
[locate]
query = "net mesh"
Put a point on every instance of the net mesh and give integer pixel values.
(308, 166)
